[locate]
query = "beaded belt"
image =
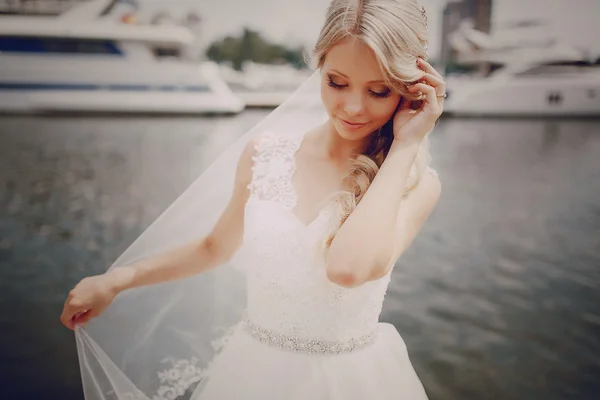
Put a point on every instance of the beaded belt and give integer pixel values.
(310, 346)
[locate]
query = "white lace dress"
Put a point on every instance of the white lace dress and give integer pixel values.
(304, 338)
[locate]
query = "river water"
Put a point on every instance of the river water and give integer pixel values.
(497, 298)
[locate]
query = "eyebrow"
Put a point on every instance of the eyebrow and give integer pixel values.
(346, 76)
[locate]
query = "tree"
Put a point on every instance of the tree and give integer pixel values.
(250, 46)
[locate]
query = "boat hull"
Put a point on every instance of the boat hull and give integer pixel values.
(576, 96)
(31, 84)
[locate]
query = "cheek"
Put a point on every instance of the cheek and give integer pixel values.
(329, 98)
(383, 110)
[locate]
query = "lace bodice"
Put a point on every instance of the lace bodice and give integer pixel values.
(288, 290)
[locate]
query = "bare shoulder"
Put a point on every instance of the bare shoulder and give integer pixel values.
(415, 210)
(246, 160)
(252, 146)
(431, 185)
(421, 201)
(243, 174)
(428, 190)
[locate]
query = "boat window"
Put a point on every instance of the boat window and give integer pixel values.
(166, 52)
(12, 44)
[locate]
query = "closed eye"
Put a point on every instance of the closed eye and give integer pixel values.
(335, 85)
(381, 95)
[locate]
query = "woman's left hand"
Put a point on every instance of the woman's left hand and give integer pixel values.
(411, 126)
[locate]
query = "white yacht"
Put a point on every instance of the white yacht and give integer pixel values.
(537, 78)
(82, 61)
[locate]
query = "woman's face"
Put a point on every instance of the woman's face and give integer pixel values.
(353, 90)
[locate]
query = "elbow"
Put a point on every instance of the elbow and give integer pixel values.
(351, 271)
(348, 278)
(342, 272)
(211, 250)
(343, 278)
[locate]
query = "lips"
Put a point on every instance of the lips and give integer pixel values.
(352, 125)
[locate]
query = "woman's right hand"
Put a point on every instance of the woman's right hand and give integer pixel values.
(88, 299)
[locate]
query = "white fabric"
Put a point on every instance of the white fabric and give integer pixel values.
(288, 290)
(288, 293)
(250, 370)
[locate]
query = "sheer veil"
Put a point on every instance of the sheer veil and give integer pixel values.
(158, 342)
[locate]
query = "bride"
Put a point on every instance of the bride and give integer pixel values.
(287, 242)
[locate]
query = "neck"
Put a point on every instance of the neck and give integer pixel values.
(338, 148)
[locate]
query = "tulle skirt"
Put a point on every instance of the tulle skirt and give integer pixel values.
(251, 370)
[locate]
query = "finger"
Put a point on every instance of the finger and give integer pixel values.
(428, 68)
(83, 318)
(439, 85)
(67, 315)
(71, 312)
(431, 100)
(66, 320)
(435, 81)
(425, 66)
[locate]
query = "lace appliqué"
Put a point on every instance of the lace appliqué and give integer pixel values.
(273, 168)
(183, 374)
(128, 396)
(177, 379)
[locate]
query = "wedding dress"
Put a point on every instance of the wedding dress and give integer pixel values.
(302, 337)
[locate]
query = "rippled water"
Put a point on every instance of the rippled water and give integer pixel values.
(498, 297)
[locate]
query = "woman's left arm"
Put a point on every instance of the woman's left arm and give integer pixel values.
(383, 224)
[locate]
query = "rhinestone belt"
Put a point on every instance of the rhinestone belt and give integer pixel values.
(308, 345)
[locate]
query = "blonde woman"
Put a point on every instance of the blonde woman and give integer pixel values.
(316, 219)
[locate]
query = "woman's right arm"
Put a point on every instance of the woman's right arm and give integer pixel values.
(198, 256)
(90, 297)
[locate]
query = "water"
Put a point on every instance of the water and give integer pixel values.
(497, 298)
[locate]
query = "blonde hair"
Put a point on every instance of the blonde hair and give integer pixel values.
(396, 31)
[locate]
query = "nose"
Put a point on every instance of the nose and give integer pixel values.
(354, 104)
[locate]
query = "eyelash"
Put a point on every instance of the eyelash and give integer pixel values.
(375, 94)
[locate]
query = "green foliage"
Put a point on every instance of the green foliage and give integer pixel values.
(250, 46)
